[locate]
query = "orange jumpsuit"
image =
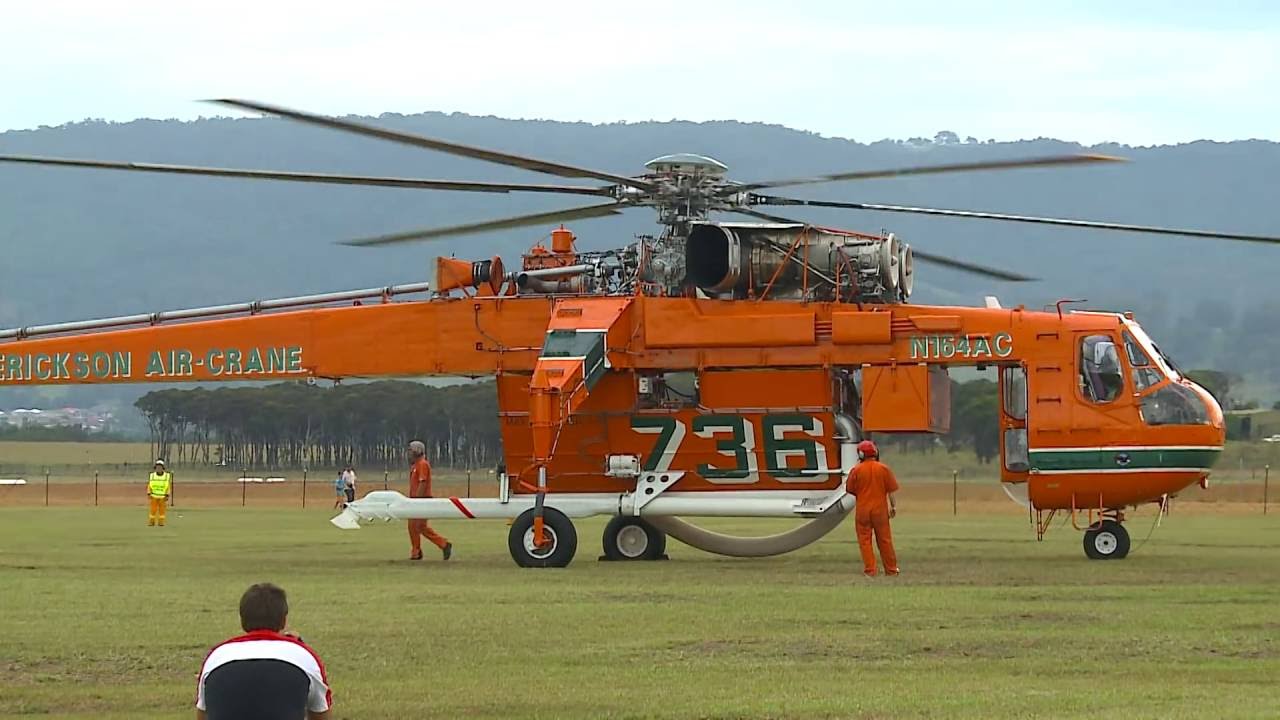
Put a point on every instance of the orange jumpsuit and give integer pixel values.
(871, 481)
(420, 487)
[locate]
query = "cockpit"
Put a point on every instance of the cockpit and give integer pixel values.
(1165, 396)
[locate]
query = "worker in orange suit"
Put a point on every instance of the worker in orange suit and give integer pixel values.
(420, 487)
(873, 484)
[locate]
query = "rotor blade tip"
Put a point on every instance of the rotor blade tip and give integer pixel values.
(1105, 158)
(236, 103)
(227, 102)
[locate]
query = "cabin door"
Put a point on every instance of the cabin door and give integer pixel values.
(1014, 459)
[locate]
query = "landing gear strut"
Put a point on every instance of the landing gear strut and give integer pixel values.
(1108, 540)
(632, 538)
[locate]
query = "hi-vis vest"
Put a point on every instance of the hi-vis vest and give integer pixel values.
(158, 484)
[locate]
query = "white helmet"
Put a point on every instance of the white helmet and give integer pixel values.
(160, 463)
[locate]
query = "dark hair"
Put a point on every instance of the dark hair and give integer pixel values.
(263, 607)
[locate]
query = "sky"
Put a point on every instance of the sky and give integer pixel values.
(1136, 72)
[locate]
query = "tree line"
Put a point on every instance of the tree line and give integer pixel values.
(369, 424)
(299, 425)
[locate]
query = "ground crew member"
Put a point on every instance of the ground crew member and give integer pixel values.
(872, 483)
(159, 486)
(420, 487)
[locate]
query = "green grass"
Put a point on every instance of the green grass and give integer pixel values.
(103, 617)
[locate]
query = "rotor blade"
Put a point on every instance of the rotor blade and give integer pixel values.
(973, 268)
(311, 177)
(765, 216)
(534, 164)
(916, 253)
(578, 213)
(928, 170)
(771, 200)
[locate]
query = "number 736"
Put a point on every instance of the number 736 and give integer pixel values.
(735, 437)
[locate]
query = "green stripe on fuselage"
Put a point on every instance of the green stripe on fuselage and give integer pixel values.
(1110, 459)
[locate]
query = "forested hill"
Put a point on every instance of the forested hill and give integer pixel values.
(83, 243)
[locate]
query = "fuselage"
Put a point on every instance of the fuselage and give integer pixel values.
(737, 394)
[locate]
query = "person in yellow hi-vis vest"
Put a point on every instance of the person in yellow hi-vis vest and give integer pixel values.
(159, 485)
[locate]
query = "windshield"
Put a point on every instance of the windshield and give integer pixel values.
(1173, 405)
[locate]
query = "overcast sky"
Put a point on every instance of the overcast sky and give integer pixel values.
(1138, 72)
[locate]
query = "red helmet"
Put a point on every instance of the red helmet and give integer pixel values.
(867, 449)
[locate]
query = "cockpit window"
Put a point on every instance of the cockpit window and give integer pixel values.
(1101, 378)
(1137, 358)
(1173, 404)
(1145, 374)
(1162, 362)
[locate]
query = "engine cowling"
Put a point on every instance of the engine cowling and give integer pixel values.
(742, 259)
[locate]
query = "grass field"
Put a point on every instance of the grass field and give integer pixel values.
(103, 617)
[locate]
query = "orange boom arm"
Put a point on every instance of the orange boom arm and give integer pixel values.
(444, 337)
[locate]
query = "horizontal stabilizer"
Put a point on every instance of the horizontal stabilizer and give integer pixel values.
(346, 520)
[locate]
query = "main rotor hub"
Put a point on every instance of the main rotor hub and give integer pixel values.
(686, 188)
(687, 164)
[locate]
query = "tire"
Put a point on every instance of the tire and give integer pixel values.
(632, 538)
(1109, 541)
(557, 526)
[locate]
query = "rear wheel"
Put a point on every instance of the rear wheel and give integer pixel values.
(1108, 541)
(632, 538)
(562, 540)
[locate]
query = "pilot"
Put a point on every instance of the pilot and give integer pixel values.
(420, 487)
(873, 484)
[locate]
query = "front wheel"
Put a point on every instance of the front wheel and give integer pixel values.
(632, 538)
(1108, 541)
(562, 540)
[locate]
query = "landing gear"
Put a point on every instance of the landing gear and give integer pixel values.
(561, 537)
(631, 538)
(1107, 541)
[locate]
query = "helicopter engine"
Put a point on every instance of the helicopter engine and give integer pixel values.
(797, 261)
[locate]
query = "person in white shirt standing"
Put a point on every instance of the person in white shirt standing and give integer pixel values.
(349, 483)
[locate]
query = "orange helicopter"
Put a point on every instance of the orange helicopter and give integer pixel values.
(716, 369)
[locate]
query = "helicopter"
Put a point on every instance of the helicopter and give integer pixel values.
(713, 369)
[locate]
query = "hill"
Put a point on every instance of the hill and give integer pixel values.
(80, 243)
